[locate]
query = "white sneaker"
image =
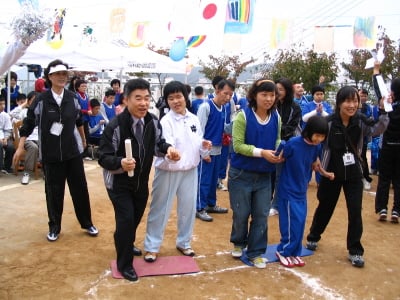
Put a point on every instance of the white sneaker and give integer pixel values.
(273, 212)
(259, 262)
(237, 252)
(25, 179)
(367, 185)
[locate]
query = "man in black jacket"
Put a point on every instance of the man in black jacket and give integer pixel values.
(129, 194)
(61, 140)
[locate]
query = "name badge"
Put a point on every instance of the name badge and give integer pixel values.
(348, 159)
(56, 128)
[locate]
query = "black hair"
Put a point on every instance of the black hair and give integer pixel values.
(198, 90)
(13, 75)
(317, 88)
(395, 88)
(221, 84)
(79, 82)
(31, 94)
(114, 81)
(94, 102)
(21, 96)
(288, 86)
(175, 87)
(71, 85)
(216, 79)
(109, 92)
(136, 84)
(315, 124)
(261, 85)
(363, 91)
(346, 92)
(53, 64)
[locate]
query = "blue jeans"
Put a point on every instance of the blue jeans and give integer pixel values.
(249, 195)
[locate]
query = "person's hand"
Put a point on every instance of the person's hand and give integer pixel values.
(207, 144)
(128, 164)
(173, 154)
(270, 156)
(102, 122)
(3, 142)
(207, 158)
(377, 67)
(17, 155)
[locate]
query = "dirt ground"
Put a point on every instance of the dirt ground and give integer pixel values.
(78, 266)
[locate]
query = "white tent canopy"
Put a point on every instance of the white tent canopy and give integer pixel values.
(103, 57)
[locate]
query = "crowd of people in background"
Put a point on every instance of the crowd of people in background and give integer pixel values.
(215, 141)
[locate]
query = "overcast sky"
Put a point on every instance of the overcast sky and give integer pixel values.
(305, 14)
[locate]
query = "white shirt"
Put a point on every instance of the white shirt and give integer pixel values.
(185, 134)
(5, 125)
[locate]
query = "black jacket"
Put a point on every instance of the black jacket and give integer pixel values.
(112, 150)
(343, 139)
(44, 111)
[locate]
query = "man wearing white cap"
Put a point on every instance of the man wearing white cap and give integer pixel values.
(61, 141)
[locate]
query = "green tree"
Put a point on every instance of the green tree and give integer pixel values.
(355, 69)
(390, 66)
(226, 66)
(306, 66)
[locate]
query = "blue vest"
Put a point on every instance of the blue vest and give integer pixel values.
(261, 136)
(215, 124)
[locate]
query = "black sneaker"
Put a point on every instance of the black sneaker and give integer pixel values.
(216, 209)
(311, 245)
(395, 217)
(92, 230)
(356, 260)
(383, 215)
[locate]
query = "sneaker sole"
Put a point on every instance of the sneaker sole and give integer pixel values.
(382, 218)
(394, 220)
(284, 261)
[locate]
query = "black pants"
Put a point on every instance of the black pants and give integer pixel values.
(129, 207)
(56, 174)
(389, 172)
(365, 167)
(328, 195)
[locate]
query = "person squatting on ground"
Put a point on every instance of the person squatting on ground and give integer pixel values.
(389, 156)
(341, 155)
(61, 141)
(181, 129)
(212, 119)
(301, 157)
(31, 143)
(256, 133)
(129, 194)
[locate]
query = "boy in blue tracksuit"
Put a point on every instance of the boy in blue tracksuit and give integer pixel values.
(211, 115)
(301, 157)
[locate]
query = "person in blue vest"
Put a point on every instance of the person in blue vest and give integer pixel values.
(198, 100)
(318, 107)
(108, 106)
(116, 86)
(212, 119)
(96, 122)
(14, 91)
(256, 134)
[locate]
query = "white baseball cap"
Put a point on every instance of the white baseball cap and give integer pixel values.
(57, 68)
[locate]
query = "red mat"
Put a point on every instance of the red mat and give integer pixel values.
(164, 265)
